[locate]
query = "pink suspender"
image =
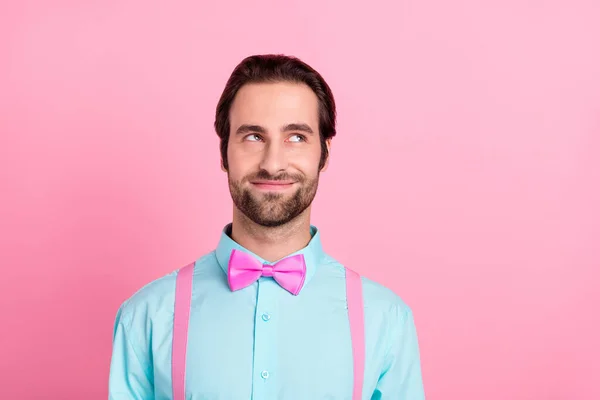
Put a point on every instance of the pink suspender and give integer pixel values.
(357, 329)
(181, 320)
(183, 299)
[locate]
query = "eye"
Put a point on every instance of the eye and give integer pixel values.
(297, 138)
(253, 138)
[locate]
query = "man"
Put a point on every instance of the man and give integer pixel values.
(267, 337)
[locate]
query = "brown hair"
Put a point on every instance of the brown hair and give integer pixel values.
(276, 68)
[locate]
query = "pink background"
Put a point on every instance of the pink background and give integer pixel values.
(469, 140)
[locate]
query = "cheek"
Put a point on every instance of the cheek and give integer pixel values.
(241, 163)
(244, 151)
(307, 163)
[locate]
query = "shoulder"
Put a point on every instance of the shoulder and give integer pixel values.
(156, 297)
(389, 315)
(383, 299)
(377, 297)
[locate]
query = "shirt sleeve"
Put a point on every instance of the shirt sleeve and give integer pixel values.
(130, 368)
(401, 377)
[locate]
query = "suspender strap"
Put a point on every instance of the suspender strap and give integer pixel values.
(181, 320)
(357, 329)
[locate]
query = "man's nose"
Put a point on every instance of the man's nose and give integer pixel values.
(274, 158)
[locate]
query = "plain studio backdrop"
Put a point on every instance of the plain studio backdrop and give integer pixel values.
(465, 175)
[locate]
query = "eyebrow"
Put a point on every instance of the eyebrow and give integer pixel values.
(247, 128)
(297, 127)
(250, 128)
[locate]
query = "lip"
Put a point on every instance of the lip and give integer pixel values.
(273, 185)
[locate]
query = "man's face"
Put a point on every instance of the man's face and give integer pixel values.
(274, 151)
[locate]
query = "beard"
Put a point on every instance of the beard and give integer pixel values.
(273, 209)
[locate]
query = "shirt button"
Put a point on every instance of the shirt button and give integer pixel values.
(265, 374)
(266, 317)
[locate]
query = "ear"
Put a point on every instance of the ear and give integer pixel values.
(223, 166)
(328, 144)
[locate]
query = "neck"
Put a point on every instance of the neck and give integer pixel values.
(271, 243)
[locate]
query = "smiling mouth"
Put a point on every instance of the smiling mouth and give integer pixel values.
(273, 185)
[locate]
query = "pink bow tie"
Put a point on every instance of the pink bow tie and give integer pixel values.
(243, 270)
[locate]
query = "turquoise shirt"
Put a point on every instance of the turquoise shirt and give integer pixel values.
(263, 343)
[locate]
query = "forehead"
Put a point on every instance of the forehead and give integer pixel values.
(275, 104)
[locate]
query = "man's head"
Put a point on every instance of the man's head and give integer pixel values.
(275, 120)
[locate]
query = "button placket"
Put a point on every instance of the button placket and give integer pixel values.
(265, 340)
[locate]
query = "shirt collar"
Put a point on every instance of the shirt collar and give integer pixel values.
(313, 252)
